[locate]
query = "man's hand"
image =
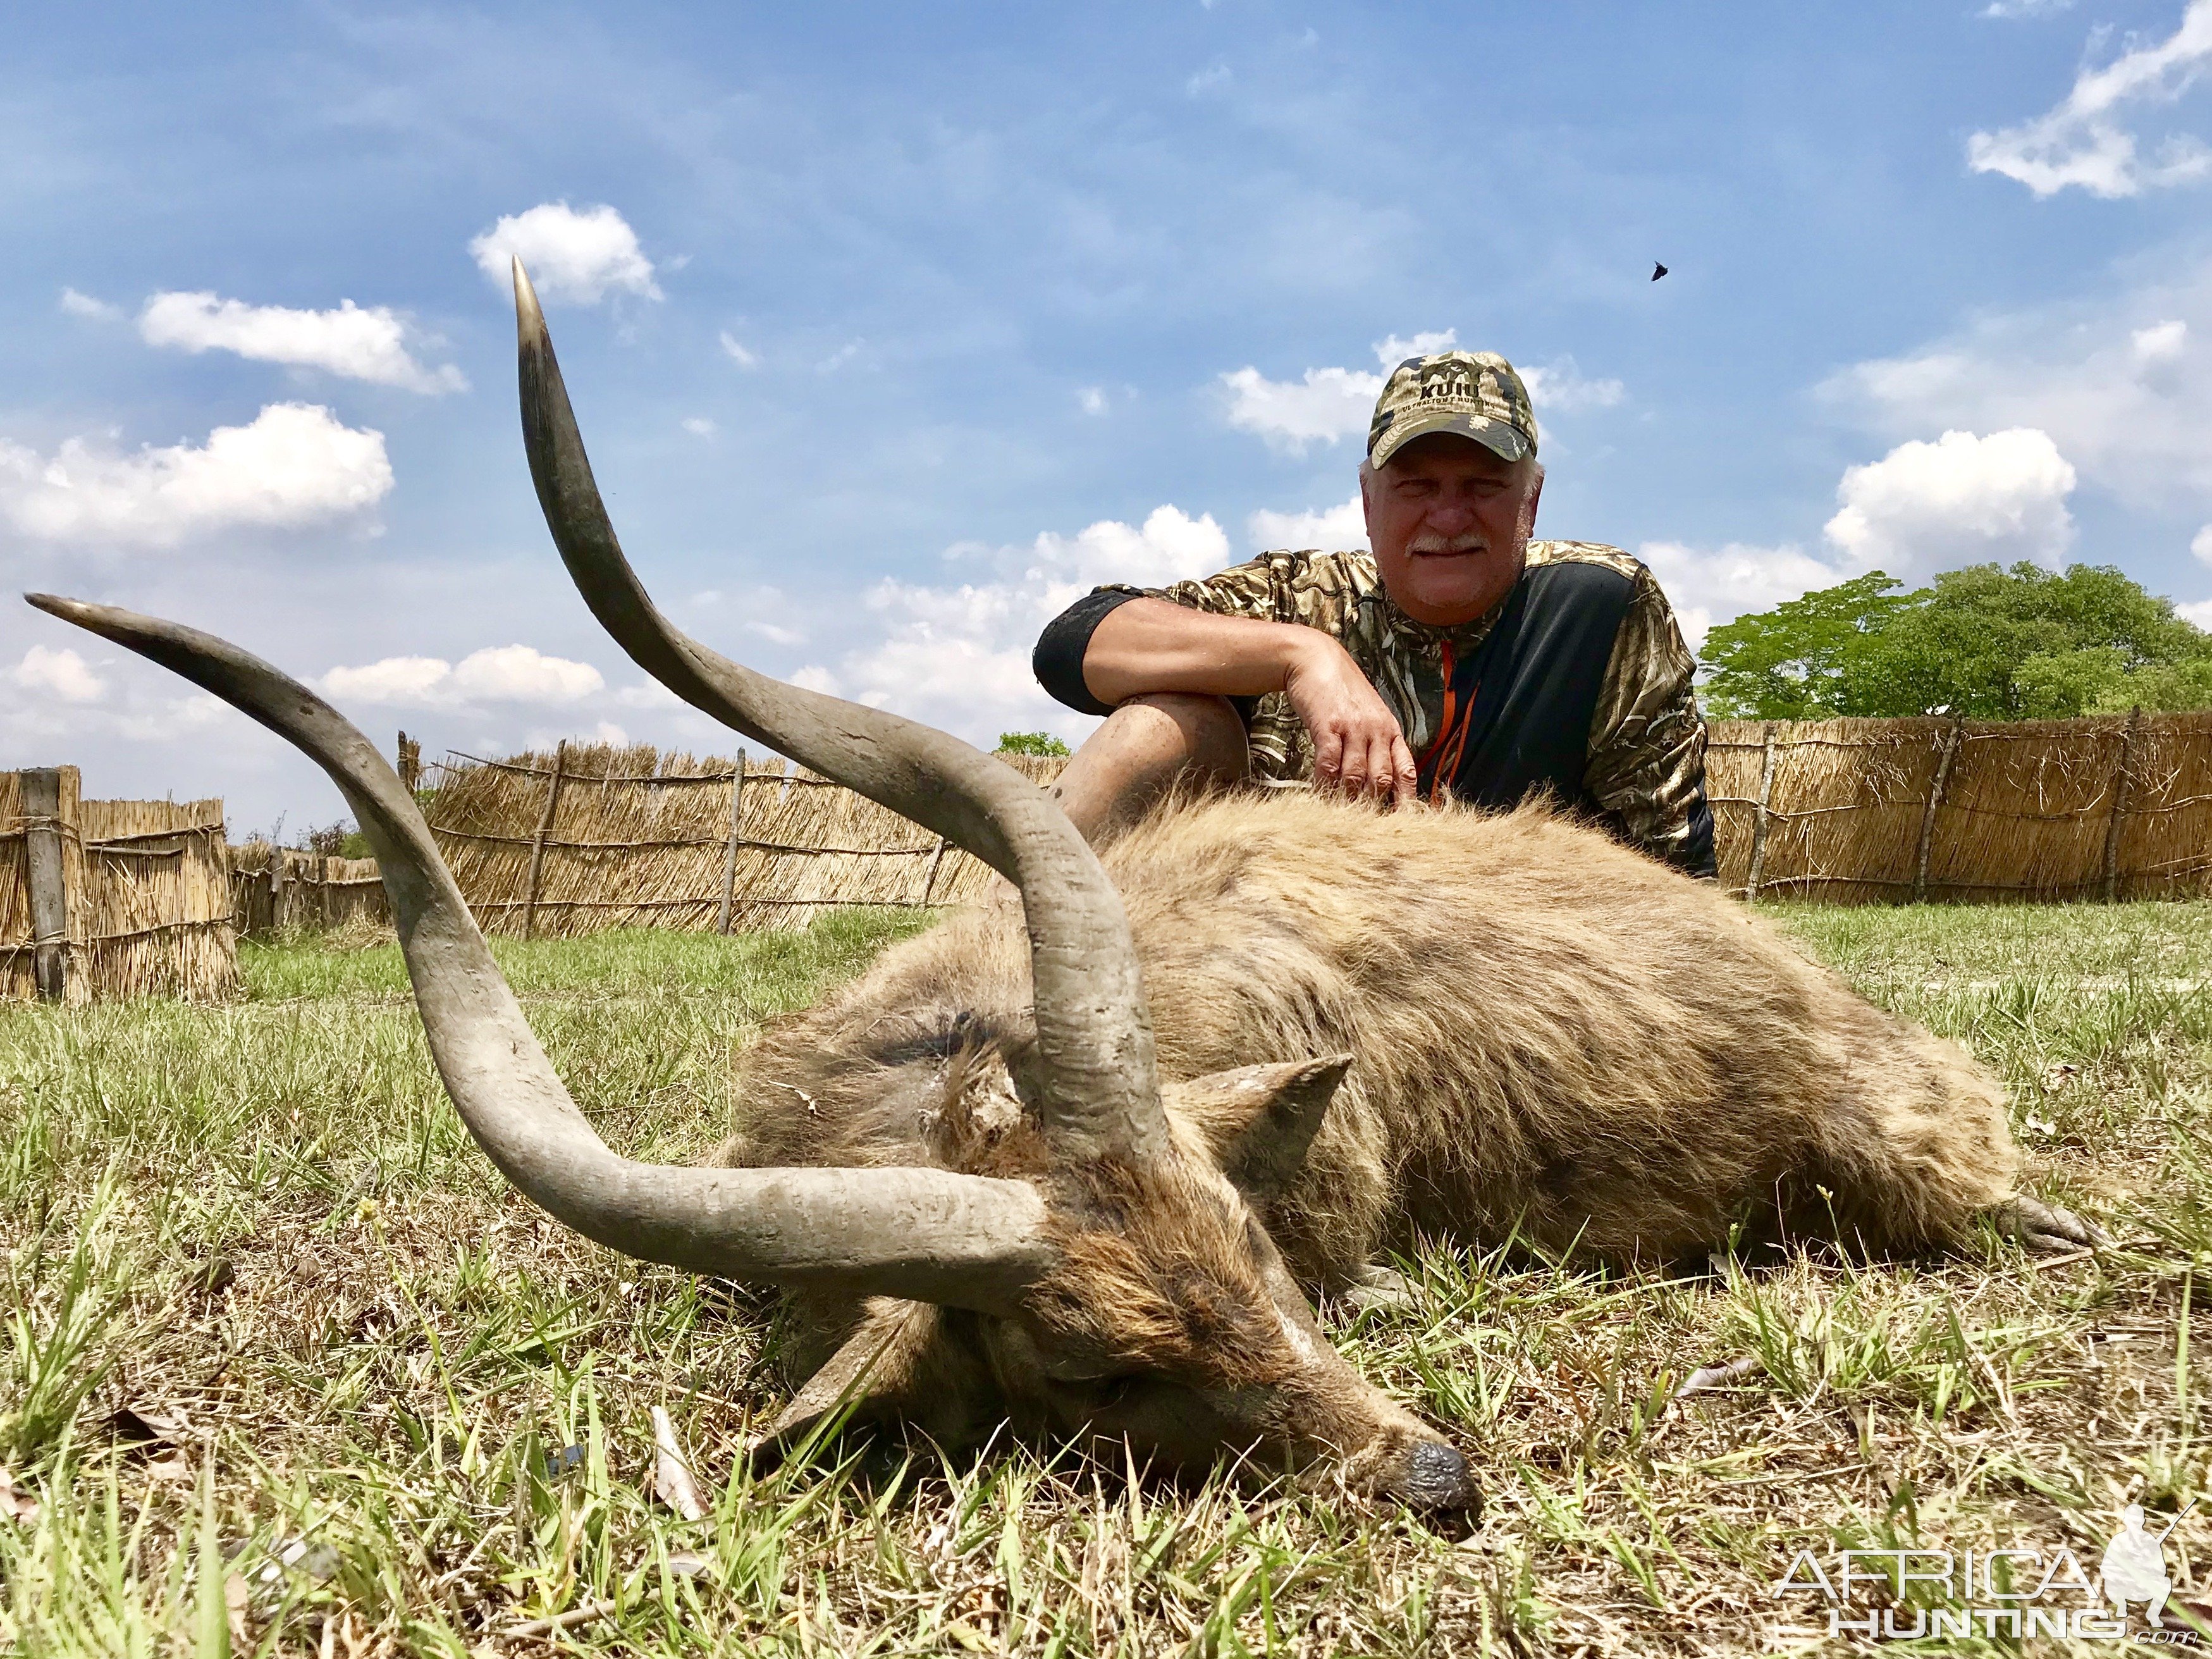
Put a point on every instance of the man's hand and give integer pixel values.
(1359, 748)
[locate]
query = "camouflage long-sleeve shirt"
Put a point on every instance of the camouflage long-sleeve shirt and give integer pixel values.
(1645, 770)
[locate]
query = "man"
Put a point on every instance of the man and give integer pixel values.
(1459, 658)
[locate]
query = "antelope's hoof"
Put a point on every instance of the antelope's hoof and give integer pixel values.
(2045, 1230)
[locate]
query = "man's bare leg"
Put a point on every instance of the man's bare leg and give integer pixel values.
(1146, 746)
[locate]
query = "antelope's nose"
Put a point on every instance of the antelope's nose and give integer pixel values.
(1435, 1477)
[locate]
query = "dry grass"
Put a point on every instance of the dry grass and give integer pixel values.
(264, 1220)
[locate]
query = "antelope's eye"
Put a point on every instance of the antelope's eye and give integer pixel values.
(1105, 1379)
(1076, 1370)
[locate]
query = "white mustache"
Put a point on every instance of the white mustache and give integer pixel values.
(1448, 544)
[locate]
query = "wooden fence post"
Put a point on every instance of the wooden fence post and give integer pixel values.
(538, 842)
(929, 881)
(2123, 792)
(730, 855)
(1935, 800)
(279, 867)
(1759, 823)
(410, 763)
(46, 866)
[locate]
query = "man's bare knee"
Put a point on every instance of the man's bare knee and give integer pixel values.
(1208, 734)
(1146, 746)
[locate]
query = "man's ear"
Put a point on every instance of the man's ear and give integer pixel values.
(1259, 1121)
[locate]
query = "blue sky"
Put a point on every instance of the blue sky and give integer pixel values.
(892, 327)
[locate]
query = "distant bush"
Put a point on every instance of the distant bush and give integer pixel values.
(1032, 742)
(337, 841)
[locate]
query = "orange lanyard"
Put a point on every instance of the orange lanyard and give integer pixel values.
(1439, 761)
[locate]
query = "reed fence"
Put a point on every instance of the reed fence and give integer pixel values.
(592, 837)
(110, 898)
(1851, 811)
(275, 890)
(1871, 811)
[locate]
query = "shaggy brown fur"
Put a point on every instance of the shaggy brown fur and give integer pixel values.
(1554, 1039)
(1554, 1036)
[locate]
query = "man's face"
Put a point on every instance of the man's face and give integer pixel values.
(1449, 522)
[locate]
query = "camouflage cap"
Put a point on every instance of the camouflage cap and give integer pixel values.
(1474, 393)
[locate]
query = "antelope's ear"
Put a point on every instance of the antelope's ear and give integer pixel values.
(1259, 1121)
(869, 1376)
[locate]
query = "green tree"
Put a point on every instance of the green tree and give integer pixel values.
(2024, 643)
(1991, 643)
(1791, 663)
(2166, 687)
(1031, 742)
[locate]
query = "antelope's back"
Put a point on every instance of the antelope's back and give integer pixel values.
(1551, 1031)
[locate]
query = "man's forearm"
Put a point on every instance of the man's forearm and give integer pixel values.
(1154, 645)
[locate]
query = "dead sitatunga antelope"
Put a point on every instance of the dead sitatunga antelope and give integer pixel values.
(1078, 1158)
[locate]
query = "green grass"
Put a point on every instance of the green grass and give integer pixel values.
(261, 1224)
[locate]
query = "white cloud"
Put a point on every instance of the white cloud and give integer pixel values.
(1923, 507)
(1206, 79)
(543, 738)
(393, 679)
(504, 673)
(572, 257)
(361, 345)
(293, 464)
(1560, 388)
(517, 673)
(958, 655)
(1331, 529)
(166, 719)
(1707, 588)
(2161, 342)
(2080, 141)
(83, 304)
(2201, 544)
(1961, 500)
(737, 352)
(2026, 8)
(1393, 349)
(700, 427)
(1330, 404)
(2120, 380)
(842, 355)
(648, 694)
(2200, 613)
(1103, 400)
(60, 673)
